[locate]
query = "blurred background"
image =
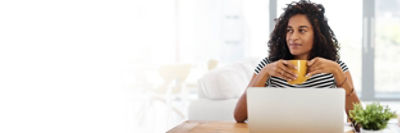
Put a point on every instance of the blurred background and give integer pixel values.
(148, 65)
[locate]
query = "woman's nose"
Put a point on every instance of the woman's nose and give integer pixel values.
(294, 36)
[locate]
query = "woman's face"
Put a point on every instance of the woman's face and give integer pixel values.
(299, 36)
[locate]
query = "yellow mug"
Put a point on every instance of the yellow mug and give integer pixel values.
(301, 71)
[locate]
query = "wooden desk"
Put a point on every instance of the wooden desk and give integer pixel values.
(191, 126)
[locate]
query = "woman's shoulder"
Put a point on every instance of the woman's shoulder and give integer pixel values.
(266, 60)
(262, 64)
(342, 65)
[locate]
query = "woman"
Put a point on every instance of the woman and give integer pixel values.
(302, 33)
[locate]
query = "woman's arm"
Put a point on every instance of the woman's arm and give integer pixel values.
(345, 81)
(241, 106)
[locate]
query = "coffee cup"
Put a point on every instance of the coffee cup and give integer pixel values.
(300, 71)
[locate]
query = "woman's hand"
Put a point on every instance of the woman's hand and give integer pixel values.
(321, 65)
(281, 69)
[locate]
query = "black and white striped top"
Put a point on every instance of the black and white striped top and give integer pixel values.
(323, 80)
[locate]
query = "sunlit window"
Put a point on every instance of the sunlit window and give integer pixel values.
(387, 46)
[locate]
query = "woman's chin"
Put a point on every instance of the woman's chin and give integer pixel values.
(295, 53)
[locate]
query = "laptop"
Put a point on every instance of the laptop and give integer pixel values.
(295, 110)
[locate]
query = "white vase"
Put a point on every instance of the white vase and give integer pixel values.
(371, 131)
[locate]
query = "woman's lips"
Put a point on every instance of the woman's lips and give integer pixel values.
(295, 45)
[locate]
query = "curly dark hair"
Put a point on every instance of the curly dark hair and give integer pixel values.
(325, 43)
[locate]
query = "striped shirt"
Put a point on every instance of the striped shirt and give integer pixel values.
(322, 80)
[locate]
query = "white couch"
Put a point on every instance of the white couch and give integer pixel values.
(220, 89)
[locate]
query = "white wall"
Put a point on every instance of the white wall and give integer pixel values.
(62, 64)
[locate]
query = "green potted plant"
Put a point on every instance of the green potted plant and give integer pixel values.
(373, 119)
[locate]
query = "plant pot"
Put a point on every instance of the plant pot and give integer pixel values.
(370, 131)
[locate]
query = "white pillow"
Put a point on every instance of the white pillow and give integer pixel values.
(227, 82)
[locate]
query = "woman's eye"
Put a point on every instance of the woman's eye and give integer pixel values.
(289, 30)
(302, 31)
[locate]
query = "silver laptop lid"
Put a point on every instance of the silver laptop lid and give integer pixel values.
(300, 110)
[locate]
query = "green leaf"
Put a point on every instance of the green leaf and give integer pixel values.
(373, 117)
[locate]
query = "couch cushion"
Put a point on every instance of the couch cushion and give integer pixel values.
(228, 81)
